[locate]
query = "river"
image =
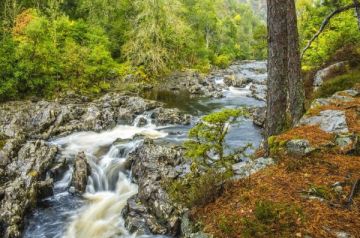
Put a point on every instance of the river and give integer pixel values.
(98, 213)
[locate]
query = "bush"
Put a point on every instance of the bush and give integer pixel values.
(338, 83)
(272, 220)
(222, 61)
(211, 160)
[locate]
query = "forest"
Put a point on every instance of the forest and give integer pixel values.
(179, 118)
(49, 47)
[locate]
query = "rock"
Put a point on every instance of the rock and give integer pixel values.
(258, 92)
(245, 169)
(151, 166)
(332, 121)
(236, 81)
(342, 234)
(345, 142)
(82, 171)
(259, 116)
(299, 147)
(325, 73)
(166, 116)
(26, 183)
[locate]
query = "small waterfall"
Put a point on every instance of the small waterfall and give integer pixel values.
(108, 186)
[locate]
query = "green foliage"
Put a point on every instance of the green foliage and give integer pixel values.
(272, 220)
(341, 31)
(339, 83)
(54, 55)
(321, 191)
(211, 160)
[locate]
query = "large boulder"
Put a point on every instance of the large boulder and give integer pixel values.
(151, 210)
(24, 182)
(326, 72)
(82, 171)
(332, 121)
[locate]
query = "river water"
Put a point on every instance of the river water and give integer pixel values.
(98, 213)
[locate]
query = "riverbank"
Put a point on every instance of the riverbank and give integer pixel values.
(312, 189)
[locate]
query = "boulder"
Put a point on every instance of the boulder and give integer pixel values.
(332, 121)
(236, 81)
(166, 116)
(259, 116)
(82, 171)
(326, 72)
(25, 184)
(245, 169)
(299, 147)
(151, 209)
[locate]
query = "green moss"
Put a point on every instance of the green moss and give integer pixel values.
(272, 220)
(321, 191)
(2, 143)
(339, 83)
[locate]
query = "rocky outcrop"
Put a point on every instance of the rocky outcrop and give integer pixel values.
(332, 121)
(151, 210)
(196, 84)
(82, 171)
(326, 72)
(24, 163)
(45, 119)
(164, 116)
(24, 182)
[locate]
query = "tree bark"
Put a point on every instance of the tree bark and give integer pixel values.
(296, 85)
(277, 67)
(357, 9)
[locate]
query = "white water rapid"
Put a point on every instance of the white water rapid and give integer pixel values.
(108, 186)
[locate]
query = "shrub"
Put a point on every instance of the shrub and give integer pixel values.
(211, 159)
(222, 61)
(272, 220)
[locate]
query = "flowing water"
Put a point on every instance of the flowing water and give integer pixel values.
(98, 214)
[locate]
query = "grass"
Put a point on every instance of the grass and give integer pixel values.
(338, 83)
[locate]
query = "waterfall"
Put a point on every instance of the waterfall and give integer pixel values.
(108, 187)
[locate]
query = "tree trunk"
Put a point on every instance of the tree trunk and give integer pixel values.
(296, 85)
(357, 9)
(277, 67)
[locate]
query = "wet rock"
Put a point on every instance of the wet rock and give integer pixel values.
(165, 116)
(259, 116)
(151, 166)
(81, 173)
(332, 121)
(258, 92)
(236, 81)
(299, 147)
(325, 73)
(25, 184)
(245, 169)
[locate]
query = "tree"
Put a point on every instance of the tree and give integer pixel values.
(158, 35)
(277, 67)
(296, 85)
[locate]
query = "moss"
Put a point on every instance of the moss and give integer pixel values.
(33, 173)
(339, 83)
(2, 143)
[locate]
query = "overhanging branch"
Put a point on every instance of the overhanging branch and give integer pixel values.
(324, 24)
